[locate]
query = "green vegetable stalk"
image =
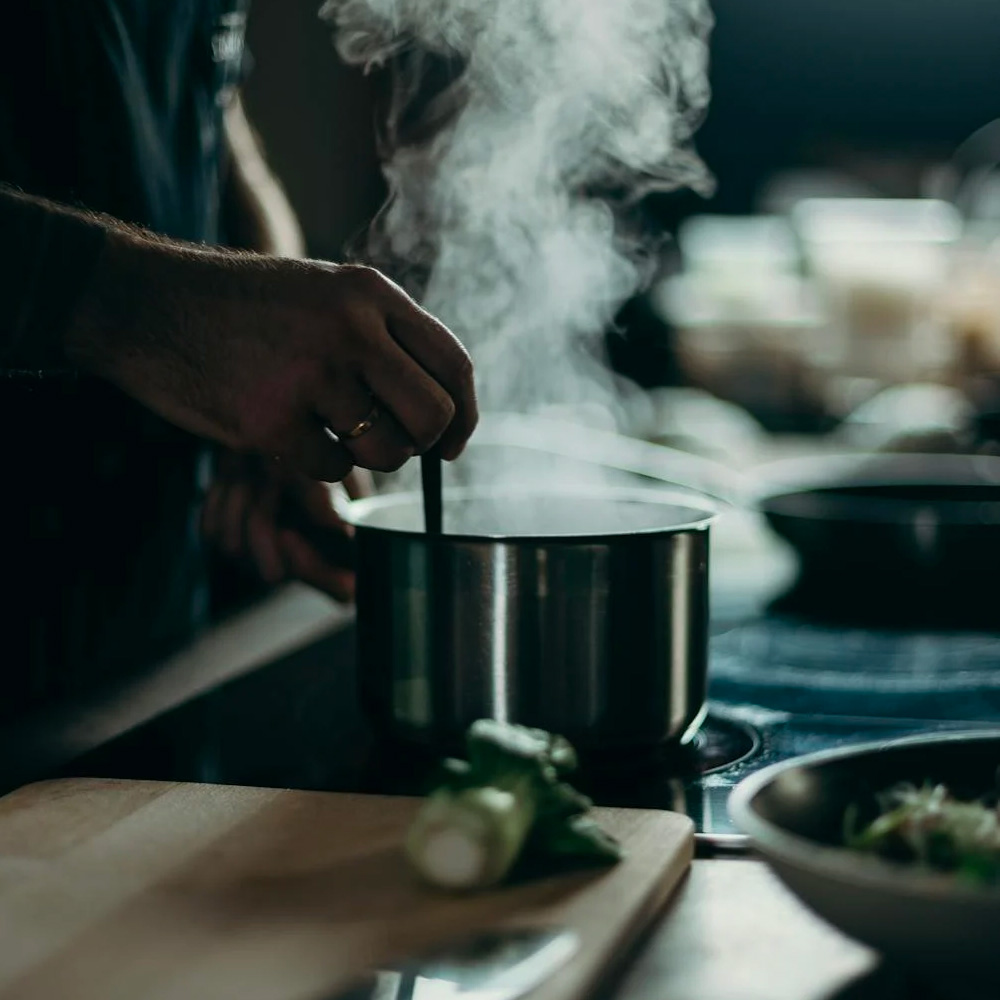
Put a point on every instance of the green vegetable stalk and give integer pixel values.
(507, 802)
(929, 827)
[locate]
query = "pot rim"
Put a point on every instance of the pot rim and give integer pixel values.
(702, 510)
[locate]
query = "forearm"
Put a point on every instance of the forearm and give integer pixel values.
(82, 291)
(256, 211)
(257, 353)
(151, 317)
(48, 255)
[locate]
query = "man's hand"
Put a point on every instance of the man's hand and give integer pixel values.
(262, 513)
(278, 357)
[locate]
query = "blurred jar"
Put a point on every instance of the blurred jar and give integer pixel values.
(972, 313)
(881, 268)
(737, 249)
(972, 309)
(747, 325)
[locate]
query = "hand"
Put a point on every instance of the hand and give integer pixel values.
(278, 357)
(261, 512)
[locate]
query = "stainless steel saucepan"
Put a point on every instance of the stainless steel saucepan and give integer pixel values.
(583, 614)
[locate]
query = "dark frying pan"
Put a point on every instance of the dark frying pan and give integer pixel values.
(891, 539)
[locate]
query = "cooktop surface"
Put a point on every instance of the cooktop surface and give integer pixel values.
(779, 688)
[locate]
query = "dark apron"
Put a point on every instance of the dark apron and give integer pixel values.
(114, 105)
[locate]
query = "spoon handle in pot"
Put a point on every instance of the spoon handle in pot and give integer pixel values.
(430, 482)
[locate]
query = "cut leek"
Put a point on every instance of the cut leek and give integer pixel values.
(506, 803)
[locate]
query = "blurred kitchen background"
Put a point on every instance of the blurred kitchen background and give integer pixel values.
(839, 292)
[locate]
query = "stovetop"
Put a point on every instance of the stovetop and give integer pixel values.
(800, 667)
(779, 688)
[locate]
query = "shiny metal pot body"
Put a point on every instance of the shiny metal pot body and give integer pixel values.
(602, 638)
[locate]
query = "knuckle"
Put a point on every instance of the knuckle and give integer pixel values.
(471, 419)
(460, 368)
(358, 328)
(445, 410)
(368, 279)
(438, 414)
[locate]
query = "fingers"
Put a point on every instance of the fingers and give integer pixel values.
(223, 515)
(421, 406)
(265, 550)
(441, 354)
(315, 452)
(296, 436)
(261, 530)
(308, 565)
(228, 467)
(238, 516)
(359, 483)
(211, 511)
(319, 501)
(233, 517)
(385, 446)
(429, 381)
(241, 516)
(352, 336)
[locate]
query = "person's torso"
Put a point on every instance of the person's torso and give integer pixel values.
(114, 105)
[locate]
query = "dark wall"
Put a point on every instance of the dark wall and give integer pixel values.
(316, 118)
(796, 82)
(807, 81)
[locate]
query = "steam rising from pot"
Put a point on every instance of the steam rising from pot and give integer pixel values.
(519, 133)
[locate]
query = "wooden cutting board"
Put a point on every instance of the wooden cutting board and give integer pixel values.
(126, 890)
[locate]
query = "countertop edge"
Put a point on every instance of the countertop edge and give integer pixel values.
(287, 620)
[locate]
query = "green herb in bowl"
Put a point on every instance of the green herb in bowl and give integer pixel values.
(929, 827)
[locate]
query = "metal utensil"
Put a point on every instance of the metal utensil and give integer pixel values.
(430, 481)
(495, 965)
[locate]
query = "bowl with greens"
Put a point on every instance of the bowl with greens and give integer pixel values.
(897, 844)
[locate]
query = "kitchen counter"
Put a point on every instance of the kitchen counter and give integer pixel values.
(732, 932)
(289, 620)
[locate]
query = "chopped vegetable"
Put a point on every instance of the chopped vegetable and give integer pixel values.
(927, 826)
(507, 803)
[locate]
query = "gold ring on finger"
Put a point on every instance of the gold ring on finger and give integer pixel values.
(363, 426)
